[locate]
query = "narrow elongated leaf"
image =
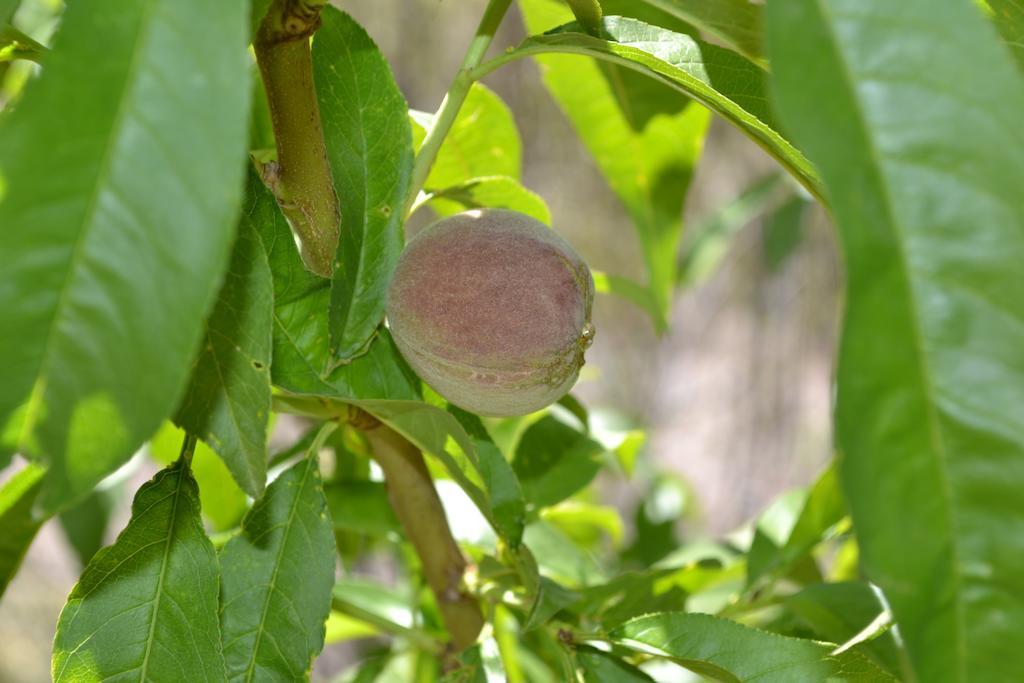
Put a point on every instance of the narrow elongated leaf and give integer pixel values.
(146, 607)
(499, 192)
(713, 237)
(638, 295)
(277, 579)
(117, 222)
(727, 651)
(912, 110)
(228, 401)
(18, 526)
(725, 82)
(645, 142)
(301, 359)
(737, 23)
(369, 144)
(839, 611)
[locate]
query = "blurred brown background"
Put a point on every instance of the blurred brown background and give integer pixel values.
(735, 398)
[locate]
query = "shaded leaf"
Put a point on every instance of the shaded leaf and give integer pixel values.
(554, 461)
(559, 559)
(639, 295)
(369, 144)
(839, 611)
(85, 524)
(498, 192)
(1008, 16)
(301, 359)
(227, 403)
(787, 546)
(118, 222)
(18, 526)
(277, 578)
(361, 507)
(146, 607)
(602, 667)
(712, 239)
(727, 651)
(911, 111)
(783, 231)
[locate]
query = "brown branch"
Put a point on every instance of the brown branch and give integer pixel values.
(301, 178)
(415, 501)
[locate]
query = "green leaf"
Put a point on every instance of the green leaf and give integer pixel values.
(223, 502)
(118, 222)
(277, 579)
(361, 507)
(725, 82)
(369, 144)
(588, 13)
(1008, 16)
(18, 526)
(301, 359)
(602, 667)
(499, 192)
(911, 111)
(384, 608)
(504, 492)
(560, 559)
(645, 142)
(737, 23)
(550, 598)
(85, 524)
(639, 295)
(839, 611)
(731, 652)
(146, 607)
(483, 141)
(712, 239)
(554, 461)
(784, 231)
(780, 547)
(228, 401)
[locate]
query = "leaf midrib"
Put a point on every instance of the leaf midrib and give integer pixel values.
(272, 585)
(934, 429)
(88, 222)
(163, 571)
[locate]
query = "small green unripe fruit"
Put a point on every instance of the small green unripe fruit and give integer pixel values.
(492, 309)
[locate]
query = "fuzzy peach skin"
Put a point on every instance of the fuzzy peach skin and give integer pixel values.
(492, 309)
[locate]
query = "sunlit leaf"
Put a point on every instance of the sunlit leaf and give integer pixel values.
(227, 404)
(146, 607)
(122, 165)
(277, 578)
(728, 651)
(369, 145)
(18, 525)
(918, 146)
